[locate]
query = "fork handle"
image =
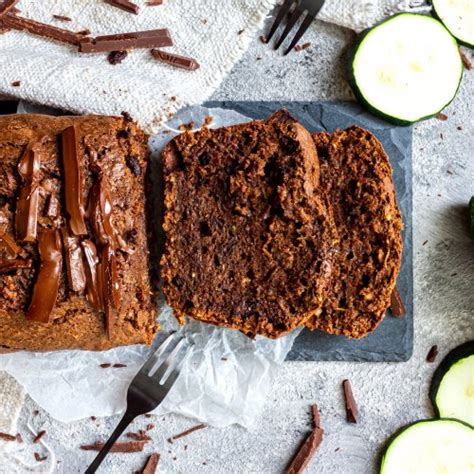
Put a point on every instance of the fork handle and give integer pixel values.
(121, 427)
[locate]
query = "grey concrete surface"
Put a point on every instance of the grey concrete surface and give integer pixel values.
(389, 394)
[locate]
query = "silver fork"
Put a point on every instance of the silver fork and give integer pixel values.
(294, 9)
(148, 389)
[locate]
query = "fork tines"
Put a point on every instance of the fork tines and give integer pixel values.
(293, 11)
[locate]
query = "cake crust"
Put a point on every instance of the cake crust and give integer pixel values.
(110, 148)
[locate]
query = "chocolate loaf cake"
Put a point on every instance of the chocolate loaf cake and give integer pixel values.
(356, 177)
(249, 239)
(73, 238)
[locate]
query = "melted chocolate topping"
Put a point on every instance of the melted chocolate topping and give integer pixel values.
(26, 216)
(109, 287)
(73, 181)
(91, 269)
(75, 266)
(45, 291)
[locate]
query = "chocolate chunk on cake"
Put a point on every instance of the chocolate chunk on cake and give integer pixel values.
(73, 241)
(249, 240)
(356, 177)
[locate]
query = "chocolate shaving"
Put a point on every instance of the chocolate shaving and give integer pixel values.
(109, 288)
(151, 464)
(397, 308)
(16, 264)
(352, 412)
(61, 18)
(16, 84)
(41, 29)
(19, 438)
(40, 458)
(432, 354)
(175, 60)
(306, 452)
(7, 437)
(119, 366)
(187, 432)
(466, 61)
(150, 426)
(91, 270)
(45, 290)
(39, 436)
(441, 116)
(119, 42)
(125, 5)
(139, 436)
(154, 3)
(9, 244)
(119, 447)
(116, 57)
(105, 365)
(26, 215)
(6, 6)
(316, 416)
(74, 262)
(73, 180)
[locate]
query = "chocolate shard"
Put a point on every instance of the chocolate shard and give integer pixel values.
(45, 290)
(6, 6)
(397, 308)
(7, 437)
(9, 244)
(306, 452)
(26, 215)
(154, 3)
(39, 436)
(118, 447)
(316, 416)
(15, 264)
(352, 413)
(108, 284)
(73, 180)
(74, 262)
(151, 464)
(175, 60)
(187, 432)
(121, 42)
(62, 18)
(91, 269)
(41, 29)
(432, 354)
(125, 5)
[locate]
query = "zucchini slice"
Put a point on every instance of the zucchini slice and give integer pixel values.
(430, 446)
(452, 386)
(458, 17)
(406, 68)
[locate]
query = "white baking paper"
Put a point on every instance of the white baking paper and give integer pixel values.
(226, 379)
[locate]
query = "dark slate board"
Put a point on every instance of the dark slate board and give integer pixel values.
(392, 341)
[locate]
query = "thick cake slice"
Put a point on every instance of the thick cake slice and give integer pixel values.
(73, 240)
(248, 238)
(356, 177)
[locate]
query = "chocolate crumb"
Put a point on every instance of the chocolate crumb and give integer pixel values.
(116, 57)
(352, 412)
(240, 32)
(397, 308)
(39, 436)
(459, 127)
(40, 458)
(151, 464)
(127, 117)
(258, 58)
(441, 116)
(224, 358)
(454, 274)
(7, 437)
(62, 18)
(173, 98)
(425, 242)
(93, 418)
(16, 84)
(336, 450)
(263, 39)
(187, 432)
(19, 438)
(466, 61)
(119, 366)
(185, 447)
(305, 452)
(150, 426)
(119, 447)
(147, 415)
(441, 136)
(432, 354)
(105, 365)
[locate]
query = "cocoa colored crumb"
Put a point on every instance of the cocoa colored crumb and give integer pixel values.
(16, 84)
(466, 61)
(39, 436)
(173, 98)
(119, 366)
(116, 57)
(19, 438)
(459, 127)
(432, 354)
(105, 365)
(240, 32)
(303, 46)
(7, 437)
(263, 39)
(62, 18)
(187, 432)
(40, 458)
(35, 412)
(441, 116)
(224, 358)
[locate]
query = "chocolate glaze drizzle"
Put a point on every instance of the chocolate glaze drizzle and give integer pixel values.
(45, 291)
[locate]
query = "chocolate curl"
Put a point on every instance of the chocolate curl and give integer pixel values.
(45, 291)
(94, 295)
(74, 263)
(26, 215)
(73, 181)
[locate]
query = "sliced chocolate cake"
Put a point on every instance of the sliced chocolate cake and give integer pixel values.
(249, 242)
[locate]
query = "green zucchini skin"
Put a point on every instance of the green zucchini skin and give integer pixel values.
(458, 353)
(397, 433)
(438, 17)
(355, 88)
